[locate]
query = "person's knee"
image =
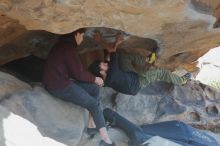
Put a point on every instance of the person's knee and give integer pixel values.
(92, 105)
(95, 91)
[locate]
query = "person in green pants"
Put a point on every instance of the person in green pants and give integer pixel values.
(120, 71)
(135, 63)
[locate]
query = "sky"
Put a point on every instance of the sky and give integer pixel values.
(209, 65)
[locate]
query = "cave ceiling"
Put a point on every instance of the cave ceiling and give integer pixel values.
(183, 29)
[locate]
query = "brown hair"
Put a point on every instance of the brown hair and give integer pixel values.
(69, 36)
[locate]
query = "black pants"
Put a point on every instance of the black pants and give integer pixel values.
(135, 133)
(84, 95)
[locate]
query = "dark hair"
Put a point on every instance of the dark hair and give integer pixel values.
(95, 69)
(80, 30)
(69, 36)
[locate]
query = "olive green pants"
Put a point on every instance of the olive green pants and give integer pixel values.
(127, 61)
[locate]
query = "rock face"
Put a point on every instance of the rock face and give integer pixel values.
(9, 29)
(131, 16)
(15, 130)
(184, 30)
(9, 85)
(64, 123)
(194, 103)
(54, 118)
(30, 42)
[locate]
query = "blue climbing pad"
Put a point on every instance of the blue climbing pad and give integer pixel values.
(181, 133)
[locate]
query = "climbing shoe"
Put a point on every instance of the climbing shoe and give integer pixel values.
(103, 143)
(185, 78)
(91, 131)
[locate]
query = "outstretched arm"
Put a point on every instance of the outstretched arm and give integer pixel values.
(118, 40)
(110, 47)
(98, 38)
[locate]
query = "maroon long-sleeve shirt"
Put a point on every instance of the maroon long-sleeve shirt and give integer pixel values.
(64, 63)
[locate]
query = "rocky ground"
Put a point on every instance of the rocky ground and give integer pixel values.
(29, 110)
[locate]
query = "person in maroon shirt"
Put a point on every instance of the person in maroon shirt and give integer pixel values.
(65, 77)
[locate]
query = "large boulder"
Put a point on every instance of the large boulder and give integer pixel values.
(63, 123)
(59, 120)
(193, 103)
(17, 131)
(184, 30)
(131, 16)
(9, 85)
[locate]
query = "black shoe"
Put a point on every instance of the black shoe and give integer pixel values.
(103, 143)
(92, 131)
(186, 77)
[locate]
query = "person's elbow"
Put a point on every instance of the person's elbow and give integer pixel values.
(81, 77)
(84, 76)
